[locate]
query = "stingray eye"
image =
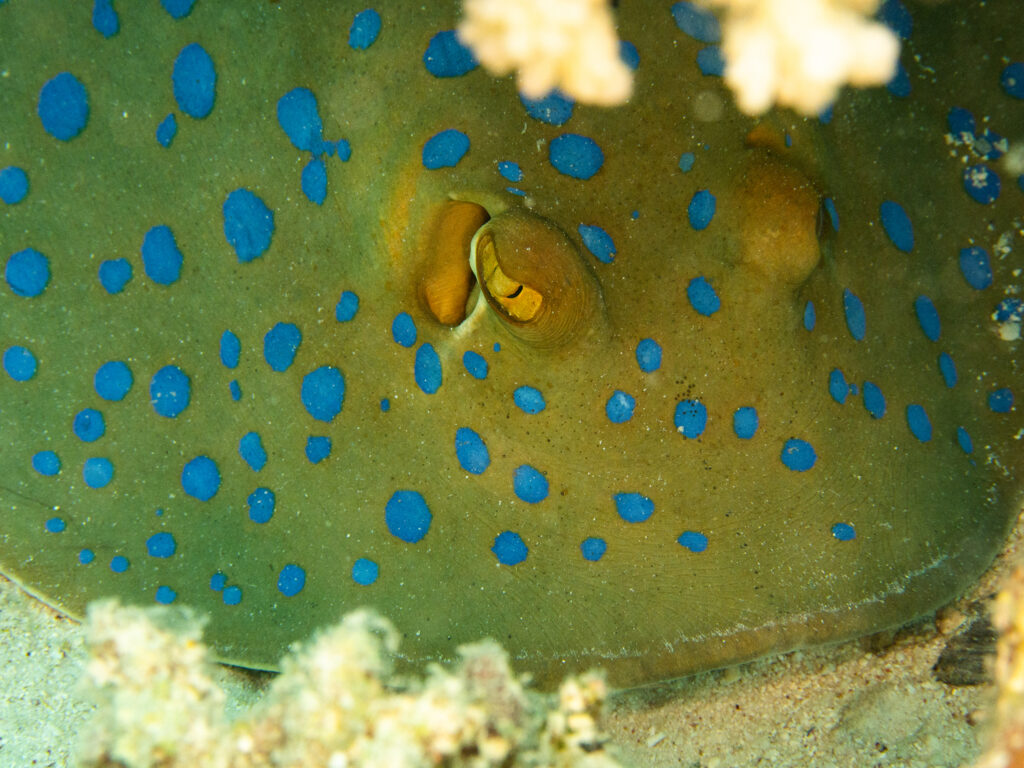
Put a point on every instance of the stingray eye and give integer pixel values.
(446, 280)
(518, 301)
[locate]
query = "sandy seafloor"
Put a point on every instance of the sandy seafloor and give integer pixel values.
(869, 702)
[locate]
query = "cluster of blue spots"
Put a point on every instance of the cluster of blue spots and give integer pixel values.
(798, 455)
(86, 556)
(119, 564)
(200, 478)
(445, 149)
(598, 242)
(104, 18)
(810, 318)
(167, 130)
(318, 448)
(948, 369)
(471, 451)
(97, 472)
(702, 296)
(554, 109)
(976, 268)
(509, 548)
(837, 386)
(853, 309)
(299, 117)
(691, 417)
(529, 484)
(178, 9)
(963, 439)
(347, 306)
(55, 525)
(323, 392)
(46, 463)
(161, 545)
(843, 532)
(261, 505)
(648, 355)
(1000, 400)
(576, 156)
(633, 507)
(170, 391)
(475, 364)
(291, 580)
(593, 549)
(710, 61)
(981, 183)
(403, 329)
(928, 317)
(693, 541)
(686, 161)
(447, 57)
(230, 349)
(529, 400)
(364, 30)
(280, 345)
(113, 380)
(248, 225)
(115, 274)
(620, 407)
(1012, 79)
(63, 106)
(251, 449)
(27, 273)
(427, 369)
(194, 80)
(701, 209)
(744, 422)
(19, 363)
(161, 259)
(874, 400)
(88, 425)
(510, 171)
(165, 595)
(407, 516)
(13, 184)
(364, 572)
(897, 225)
(697, 22)
(919, 423)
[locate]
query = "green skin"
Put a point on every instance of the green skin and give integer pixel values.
(773, 578)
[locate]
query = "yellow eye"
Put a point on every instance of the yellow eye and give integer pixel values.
(518, 300)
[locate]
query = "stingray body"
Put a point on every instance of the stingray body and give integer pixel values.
(655, 388)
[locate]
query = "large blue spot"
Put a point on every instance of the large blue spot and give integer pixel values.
(475, 363)
(919, 423)
(299, 118)
(897, 225)
(798, 455)
(104, 18)
(447, 57)
(63, 106)
(702, 296)
(633, 507)
(88, 425)
(248, 224)
(510, 171)
(13, 184)
(407, 516)
(529, 400)
(97, 472)
(314, 181)
(200, 478)
(167, 130)
(693, 541)
(165, 595)
(553, 109)
(744, 422)
(948, 369)
(280, 345)
(232, 595)
(699, 23)
(843, 532)
(161, 545)
(170, 391)
(710, 61)
(251, 449)
(1000, 400)
(230, 349)
(445, 149)
(894, 14)
(364, 30)
(113, 380)
(691, 417)
(291, 580)
(194, 80)
(347, 306)
(365, 572)
(853, 309)
(323, 392)
(576, 156)
(318, 448)
(471, 451)
(619, 407)
(119, 564)
(46, 463)
(27, 272)
(114, 275)
(161, 258)
(403, 329)
(837, 386)
(529, 484)
(928, 317)
(55, 525)
(976, 268)
(86, 556)
(19, 363)
(593, 549)
(598, 242)
(874, 400)
(981, 183)
(261, 505)
(648, 355)
(509, 548)
(427, 369)
(701, 209)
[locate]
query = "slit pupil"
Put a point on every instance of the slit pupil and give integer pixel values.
(515, 293)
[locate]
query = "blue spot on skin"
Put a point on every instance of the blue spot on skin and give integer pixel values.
(161, 545)
(348, 305)
(475, 364)
(853, 309)
(86, 556)
(798, 455)
(964, 440)
(89, 425)
(948, 370)
(471, 451)
(19, 363)
(314, 181)
(1000, 400)
(619, 407)
(46, 463)
(364, 30)
(744, 422)
(104, 18)
(250, 448)
(648, 355)
(218, 581)
(113, 381)
(529, 484)
(843, 532)
(318, 448)
(170, 391)
(576, 156)
(598, 242)
(928, 317)
(233, 595)
(200, 478)
(593, 549)
(403, 329)
(702, 296)
(686, 161)
(691, 417)
(323, 393)
(194, 80)
(919, 423)
(115, 274)
(833, 214)
(407, 516)
(167, 130)
(13, 185)
(981, 183)
(97, 472)
(427, 369)
(291, 580)
(897, 225)
(809, 316)
(178, 9)
(899, 85)
(230, 349)
(447, 57)
(633, 507)
(837, 386)
(235, 390)
(1012, 80)
(554, 109)
(161, 259)
(119, 564)
(509, 548)
(710, 61)
(280, 345)
(248, 225)
(629, 55)
(976, 268)
(445, 149)
(55, 525)
(698, 23)
(27, 273)
(701, 209)
(364, 572)
(261, 505)
(510, 171)
(874, 400)
(385, 405)
(63, 106)
(896, 16)
(165, 595)
(299, 118)
(529, 400)
(960, 122)
(693, 541)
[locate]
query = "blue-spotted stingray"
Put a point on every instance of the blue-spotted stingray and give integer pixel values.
(303, 311)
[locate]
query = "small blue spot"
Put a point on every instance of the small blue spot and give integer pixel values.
(629, 55)
(170, 391)
(598, 242)
(843, 532)
(510, 171)
(178, 9)
(46, 463)
(299, 118)
(280, 346)
(364, 572)
(13, 184)
(447, 57)
(347, 306)
(19, 363)
(744, 422)
(710, 61)
(200, 478)
(1000, 400)
(218, 581)
(897, 225)
(161, 544)
(314, 181)
(701, 209)
(702, 296)
(63, 106)
(261, 505)
(235, 390)
(948, 369)
(113, 380)
(919, 423)
(837, 386)
(407, 516)
(364, 30)
(165, 595)
(976, 268)
(167, 130)
(471, 451)
(427, 369)
(798, 455)
(323, 392)
(55, 525)
(318, 448)
(874, 400)
(194, 80)
(509, 548)
(403, 329)
(648, 355)
(894, 14)
(89, 425)
(809, 316)
(928, 317)
(119, 564)
(161, 259)
(853, 309)
(593, 549)
(104, 18)
(633, 507)
(291, 580)
(250, 448)
(475, 364)
(233, 595)
(576, 156)
(385, 405)
(230, 349)
(115, 274)
(961, 123)
(620, 407)
(964, 440)
(86, 556)
(27, 273)
(97, 472)
(248, 224)
(899, 85)
(686, 161)
(529, 484)
(529, 400)
(691, 417)
(693, 541)
(833, 214)
(1012, 79)
(554, 109)
(445, 149)
(699, 23)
